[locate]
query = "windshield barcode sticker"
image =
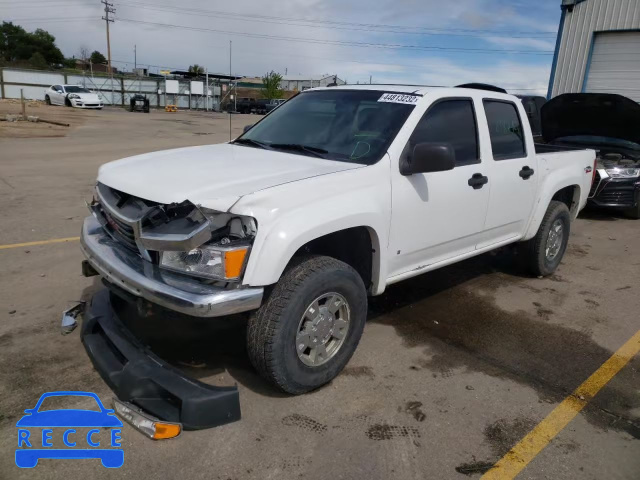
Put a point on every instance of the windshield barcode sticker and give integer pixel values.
(399, 98)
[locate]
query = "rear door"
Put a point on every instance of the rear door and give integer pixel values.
(513, 171)
(440, 215)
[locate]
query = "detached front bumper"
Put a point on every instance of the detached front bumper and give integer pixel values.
(139, 377)
(127, 270)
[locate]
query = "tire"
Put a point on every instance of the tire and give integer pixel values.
(272, 334)
(67, 102)
(47, 100)
(538, 256)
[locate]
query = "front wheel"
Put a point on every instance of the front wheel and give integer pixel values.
(310, 324)
(47, 100)
(544, 252)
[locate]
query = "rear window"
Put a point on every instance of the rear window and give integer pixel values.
(505, 130)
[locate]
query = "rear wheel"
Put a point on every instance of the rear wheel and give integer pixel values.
(544, 252)
(309, 326)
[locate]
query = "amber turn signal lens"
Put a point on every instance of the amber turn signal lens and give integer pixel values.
(233, 262)
(166, 430)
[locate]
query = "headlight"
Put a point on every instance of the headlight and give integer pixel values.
(209, 261)
(73, 95)
(623, 172)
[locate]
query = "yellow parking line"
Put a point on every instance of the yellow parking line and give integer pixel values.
(41, 242)
(531, 445)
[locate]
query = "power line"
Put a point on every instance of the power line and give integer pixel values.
(322, 24)
(330, 22)
(339, 42)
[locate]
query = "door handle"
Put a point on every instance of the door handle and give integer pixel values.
(526, 172)
(477, 181)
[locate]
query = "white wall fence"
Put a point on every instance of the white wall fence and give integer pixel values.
(113, 91)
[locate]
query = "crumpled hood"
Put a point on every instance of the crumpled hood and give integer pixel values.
(597, 114)
(214, 176)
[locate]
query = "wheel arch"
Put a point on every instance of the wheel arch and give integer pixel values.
(359, 246)
(568, 193)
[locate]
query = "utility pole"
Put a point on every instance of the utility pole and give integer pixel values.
(230, 89)
(108, 8)
(135, 57)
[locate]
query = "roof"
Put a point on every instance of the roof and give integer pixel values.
(418, 90)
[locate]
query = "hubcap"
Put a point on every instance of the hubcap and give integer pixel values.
(322, 329)
(554, 240)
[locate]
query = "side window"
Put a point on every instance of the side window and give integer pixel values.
(505, 130)
(453, 122)
(57, 88)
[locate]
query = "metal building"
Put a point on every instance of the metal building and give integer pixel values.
(597, 48)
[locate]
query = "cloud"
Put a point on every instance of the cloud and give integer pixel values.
(167, 47)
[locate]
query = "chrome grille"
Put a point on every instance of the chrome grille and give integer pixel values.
(120, 231)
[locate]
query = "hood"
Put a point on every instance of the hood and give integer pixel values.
(88, 97)
(214, 176)
(597, 114)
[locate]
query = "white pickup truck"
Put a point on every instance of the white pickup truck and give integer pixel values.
(332, 197)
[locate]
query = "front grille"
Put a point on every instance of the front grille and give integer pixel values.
(595, 184)
(120, 231)
(617, 196)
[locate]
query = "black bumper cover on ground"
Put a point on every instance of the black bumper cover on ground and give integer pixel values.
(137, 376)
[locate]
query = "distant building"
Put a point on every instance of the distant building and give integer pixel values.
(303, 82)
(597, 48)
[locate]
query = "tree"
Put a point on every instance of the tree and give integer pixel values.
(37, 61)
(97, 57)
(196, 69)
(271, 82)
(83, 53)
(18, 45)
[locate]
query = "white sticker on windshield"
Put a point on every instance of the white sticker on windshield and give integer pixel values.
(399, 98)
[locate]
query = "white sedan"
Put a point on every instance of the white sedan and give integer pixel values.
(72, 96)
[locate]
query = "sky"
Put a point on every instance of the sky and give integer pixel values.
(508, 43)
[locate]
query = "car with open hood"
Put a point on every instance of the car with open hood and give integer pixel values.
(609, 124)
(72, 96)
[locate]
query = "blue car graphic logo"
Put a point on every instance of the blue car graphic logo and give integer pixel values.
(37, 428)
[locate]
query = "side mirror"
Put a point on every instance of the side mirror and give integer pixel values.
(246, 128)
(429, 157)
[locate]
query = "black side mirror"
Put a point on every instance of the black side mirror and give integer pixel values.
(246, 128)
(429, 157)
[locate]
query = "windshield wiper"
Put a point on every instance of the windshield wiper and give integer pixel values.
(254, 143)
(318, 152)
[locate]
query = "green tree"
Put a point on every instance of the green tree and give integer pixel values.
(37, 61)
(271, 82)
(18, 45)
(197, 69)
(97, 57)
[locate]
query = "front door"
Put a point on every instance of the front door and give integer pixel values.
(438, 216)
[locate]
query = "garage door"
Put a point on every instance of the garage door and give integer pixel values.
(615, 64)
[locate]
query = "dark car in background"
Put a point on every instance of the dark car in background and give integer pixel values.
(609, 124)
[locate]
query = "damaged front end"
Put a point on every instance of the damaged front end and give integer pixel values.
(182, 258)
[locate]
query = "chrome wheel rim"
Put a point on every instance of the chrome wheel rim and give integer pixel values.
(554, 240)
(322, 329)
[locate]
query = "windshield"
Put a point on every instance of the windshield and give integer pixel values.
(76, 89)
(345, 125)
(597, 140)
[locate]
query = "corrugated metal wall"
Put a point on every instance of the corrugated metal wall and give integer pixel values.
(34, 82)
(588, 17)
